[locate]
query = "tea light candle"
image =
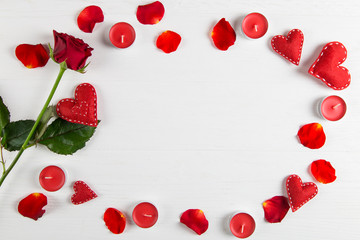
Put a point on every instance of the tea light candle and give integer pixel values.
(52, 178)
(254, 25)
(333, 108)
(145, 215)
(122, 35)
(242, 225)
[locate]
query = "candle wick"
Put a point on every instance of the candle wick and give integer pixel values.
(122, 38)
(242, 228)
(336, 105)
(256, 28)
(147, 215)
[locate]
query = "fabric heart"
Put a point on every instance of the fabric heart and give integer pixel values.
(82, 109)
(298, 192)
(289, 47)
(83, 193)
(327, 66)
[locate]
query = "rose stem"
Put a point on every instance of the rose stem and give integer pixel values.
(32, 131)
(2, 158)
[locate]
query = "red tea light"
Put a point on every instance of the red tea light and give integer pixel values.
(332, 108)
(122, 35)
(242, 225)
(145, 215)
(254, 25)
(52, 178)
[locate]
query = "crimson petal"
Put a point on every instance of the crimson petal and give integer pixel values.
(151, 13)
(115, 220)
(276, 208)
(168, 41)
(195, 219)
(88, 17)
(323, 171)
(32, 205)
(32, 56)
(312, 135)
(223, 35)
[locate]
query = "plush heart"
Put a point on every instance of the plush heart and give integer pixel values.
(327, 66)
(289, 47)
(83, 193)
(82, 109)
(298, 192)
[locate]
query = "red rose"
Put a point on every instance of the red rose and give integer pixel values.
(70, 49)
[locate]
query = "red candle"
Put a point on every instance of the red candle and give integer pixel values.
(122, 35)
(52, 178)
(145, 215)
(333, 108)
(242, 225)
(254, 25)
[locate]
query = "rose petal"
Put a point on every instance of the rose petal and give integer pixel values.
(32, 56)
(168, 41)
(32, 205)
(312, 135)
(88, 17)
(275, 209)
(195, 219)
(151, 13)
(323, 171)
(114, 220)
(223, 35)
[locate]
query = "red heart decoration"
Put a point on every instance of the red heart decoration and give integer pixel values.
(289, 47)
(298, 192)
(83, 193)
(327, 66)
(82, 109)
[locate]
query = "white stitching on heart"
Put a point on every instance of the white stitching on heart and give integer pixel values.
(76, 191)
(73, 101)
(302, 184)
(288, 36)
(311, 70)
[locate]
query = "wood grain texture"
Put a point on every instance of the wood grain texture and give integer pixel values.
(199, 128)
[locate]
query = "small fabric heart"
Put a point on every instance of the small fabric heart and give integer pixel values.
(327, 66)
(83, 193)
(290, 47)
(82, 109)
(298, 192)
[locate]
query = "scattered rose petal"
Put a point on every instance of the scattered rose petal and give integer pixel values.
(32, 56)
(114, 220)
(323, 171)
(223, 35)
(195, 219)
(312, 135)
(88, 17)
(32, 206)
(151, 13)
(275, 209)
(168, 41)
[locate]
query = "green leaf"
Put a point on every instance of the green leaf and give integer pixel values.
(15, 134)
(49, 113)
(4, 115)
(65, 138)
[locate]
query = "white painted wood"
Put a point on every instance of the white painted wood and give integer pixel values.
(199, 128)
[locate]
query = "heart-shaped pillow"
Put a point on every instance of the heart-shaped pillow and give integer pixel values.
(289, 47)
(82, 109)
(298, 192)
(83, 193)
(327, 66)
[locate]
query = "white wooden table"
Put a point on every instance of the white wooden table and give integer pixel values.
(199, 128)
